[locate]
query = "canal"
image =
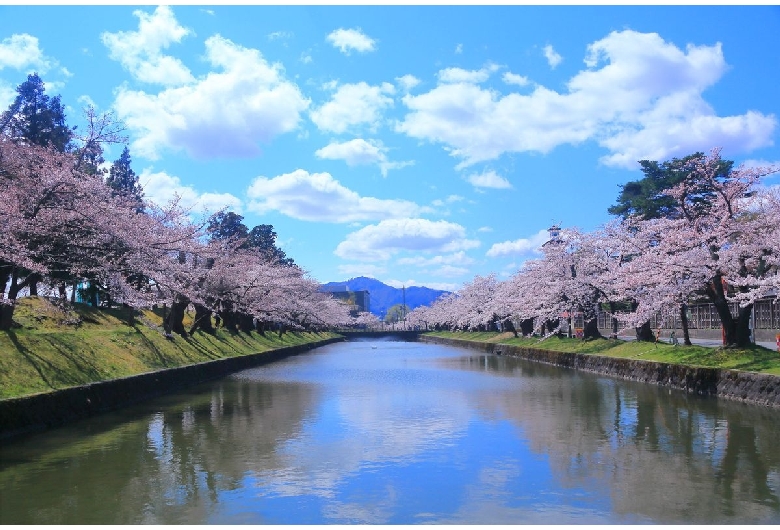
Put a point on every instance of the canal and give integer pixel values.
(387, 432)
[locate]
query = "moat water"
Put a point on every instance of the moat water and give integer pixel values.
(384, 432)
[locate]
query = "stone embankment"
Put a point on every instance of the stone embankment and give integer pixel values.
(51, 409)
(759, 389)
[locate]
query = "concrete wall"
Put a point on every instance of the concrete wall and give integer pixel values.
(50, 409)
(760, 389)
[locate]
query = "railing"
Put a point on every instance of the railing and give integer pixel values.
(705, 316)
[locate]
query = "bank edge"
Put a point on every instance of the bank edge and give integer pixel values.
(747, 387)
(37, 412)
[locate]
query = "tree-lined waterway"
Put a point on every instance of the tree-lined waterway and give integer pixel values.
(384, 432)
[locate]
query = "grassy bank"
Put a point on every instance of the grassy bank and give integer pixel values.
(53, 347)
(753, 359)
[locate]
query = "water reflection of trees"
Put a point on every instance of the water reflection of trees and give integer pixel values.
(660, 454)
(191, 457)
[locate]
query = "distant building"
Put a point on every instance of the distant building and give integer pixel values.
(358, 301)
(555, 236)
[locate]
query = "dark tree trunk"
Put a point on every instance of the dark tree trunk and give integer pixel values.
(175, 318)
(202, 320)
(130, 315)
(684, 322)
(743, 326)
(6, 316)
(509, 326)
(93, 292)
(736, 332)
(644, 333)
(591, 330)
(229, 321)
(32, 282)
(245, 323)
(5, 276)
(527, 326)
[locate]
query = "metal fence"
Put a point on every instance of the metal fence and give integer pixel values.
(704, 316)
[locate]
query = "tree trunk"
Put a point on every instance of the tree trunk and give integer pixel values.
(202, 320)
(644, 333)
(175, 318)
(717, 295)
(508, 326)
(245, 323)
(5, 276)
(6, 316)
(743, 326)
(229, 321)
(32, 282)
(591, 330)
(684, 322)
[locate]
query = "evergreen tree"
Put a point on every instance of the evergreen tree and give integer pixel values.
(647, 197)
(35, 118)
(263, 237)
(122, 179)
(226, 225)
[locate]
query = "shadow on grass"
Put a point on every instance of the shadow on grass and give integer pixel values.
(31, 358)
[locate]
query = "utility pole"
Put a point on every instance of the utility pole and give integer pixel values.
(403, 306)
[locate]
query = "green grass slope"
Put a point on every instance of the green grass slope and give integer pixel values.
(753, 359)
(55, 347)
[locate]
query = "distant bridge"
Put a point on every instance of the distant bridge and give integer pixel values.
(400, 334)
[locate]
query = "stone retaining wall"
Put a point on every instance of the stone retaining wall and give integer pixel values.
(760, 389)
(50, 409)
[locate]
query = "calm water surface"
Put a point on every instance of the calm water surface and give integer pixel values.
(403, 433)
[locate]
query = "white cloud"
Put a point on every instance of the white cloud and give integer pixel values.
(640, 98)
(488, 179)
(161, 188)
(408, 82)
(457, 258)
(383, 240)
(139, 52)
(553, 58)
(450, 271)
(351, 39)
(280, 35)
(515, 79)
(319, 197)
(459, 49)
(459, 75)
(519, 246)
(7, 95)
(225, 113)
(359, 152)
(353, 105)
(369, 270)
(449, 200)
(21, 51)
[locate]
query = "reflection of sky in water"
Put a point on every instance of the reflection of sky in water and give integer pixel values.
(485, 476)
(400, 441)
(404, 433)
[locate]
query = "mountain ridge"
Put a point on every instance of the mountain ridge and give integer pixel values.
(383, 296)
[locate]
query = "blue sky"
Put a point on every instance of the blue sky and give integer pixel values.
(415, 145)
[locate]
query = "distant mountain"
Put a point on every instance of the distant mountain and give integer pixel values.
(383, 297)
